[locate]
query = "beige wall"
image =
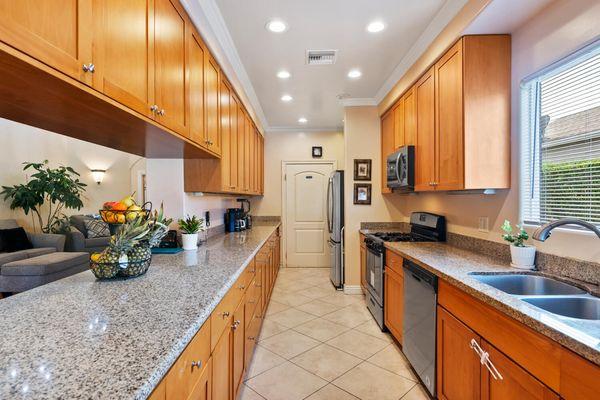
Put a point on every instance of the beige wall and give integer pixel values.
(21, 143)
(363, 141)
(558, 30)
(292, 146)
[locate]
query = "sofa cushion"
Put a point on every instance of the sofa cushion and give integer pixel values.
(97, 242)
(39, 251)
(14, 239)
(5, 258)
(45, 264)
(78, 221)
(96, 228)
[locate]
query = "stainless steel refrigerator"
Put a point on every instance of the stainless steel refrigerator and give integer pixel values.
(335, 224)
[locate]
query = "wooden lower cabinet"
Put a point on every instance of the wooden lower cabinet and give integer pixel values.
(213, 364)
(393, 302)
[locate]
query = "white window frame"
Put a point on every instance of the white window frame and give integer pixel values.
(528, 134)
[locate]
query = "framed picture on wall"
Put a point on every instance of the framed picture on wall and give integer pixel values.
(317, 151)
(362, 193)
(362, 170)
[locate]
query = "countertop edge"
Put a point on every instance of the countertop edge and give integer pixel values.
(167, 362)
(550, 332)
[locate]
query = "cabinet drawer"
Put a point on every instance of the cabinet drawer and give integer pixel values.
(249, 274)
(221, 317)
(185, 373)
(252, 297)
(394, 261)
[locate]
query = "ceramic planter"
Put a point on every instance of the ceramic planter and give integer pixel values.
(189, 241)
(523, 257)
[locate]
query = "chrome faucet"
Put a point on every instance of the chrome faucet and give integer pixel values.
(543, 232)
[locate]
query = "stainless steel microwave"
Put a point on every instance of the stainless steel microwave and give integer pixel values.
(401, 169)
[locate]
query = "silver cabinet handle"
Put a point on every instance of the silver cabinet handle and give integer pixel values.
(235, 325)
(154, 108)
(484, 359)
(242, 287)
(225, 314)
(161, 112)
(89, 68)
(197, 364)
(251, 338)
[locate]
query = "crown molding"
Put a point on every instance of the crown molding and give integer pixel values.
(297, 129)
(435, 27)
(209, 22)
(358, 102)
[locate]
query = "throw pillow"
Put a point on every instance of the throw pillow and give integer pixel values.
(96, 228)
(14, 240)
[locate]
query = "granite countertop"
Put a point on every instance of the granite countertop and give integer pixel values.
(454, 265)
(83, 338)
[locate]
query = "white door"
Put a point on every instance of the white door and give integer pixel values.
(306, 214)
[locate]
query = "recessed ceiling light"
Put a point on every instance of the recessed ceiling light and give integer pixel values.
(375, 26)
(283, 74)
(302, 120)
(276, 26)
(286, 98)
(354, 74)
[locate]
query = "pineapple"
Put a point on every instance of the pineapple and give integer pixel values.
(122, 242)
(159, 226)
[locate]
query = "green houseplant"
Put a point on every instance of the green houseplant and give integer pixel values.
(190, 226)
(55, 188)
(522, 255)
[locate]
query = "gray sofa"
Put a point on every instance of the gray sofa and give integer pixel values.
(77, 239)
(44, 263)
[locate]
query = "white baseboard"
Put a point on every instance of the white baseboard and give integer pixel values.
(352, 289)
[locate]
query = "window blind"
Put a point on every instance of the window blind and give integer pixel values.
(560, 141)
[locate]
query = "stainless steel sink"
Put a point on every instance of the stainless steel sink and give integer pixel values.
(528, 285)
(583, 307)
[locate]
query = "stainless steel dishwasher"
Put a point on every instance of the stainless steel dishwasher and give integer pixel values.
(418, 328)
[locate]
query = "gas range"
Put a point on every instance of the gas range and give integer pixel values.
(376, 240)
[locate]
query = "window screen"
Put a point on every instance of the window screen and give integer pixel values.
(560, 133)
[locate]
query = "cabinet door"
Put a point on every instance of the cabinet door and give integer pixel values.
(261, 164)
(237, 347)
(221, 374)
(394, 303)
(247, 131)
(410, 118)
(398, 111)
(55, 32)
(123, 52)
(241, 142)
(458, 366)
(226, 139)
(197, 54)
(211, 101)
(514, 383)
(425, 146)
(203, 389)
(387, 147)
(449, 120)
(363, 264)
(252, 163)
(233, 144)
(170, 65)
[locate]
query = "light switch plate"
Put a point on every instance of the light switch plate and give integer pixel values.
(484, 224)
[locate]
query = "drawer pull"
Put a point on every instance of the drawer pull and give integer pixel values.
(251, 301)
(197, 364)
(242, 287)
(258, 285)
(251, 338)
(225, 314)
(235, 325)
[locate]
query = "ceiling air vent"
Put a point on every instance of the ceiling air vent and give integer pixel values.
(320, 57)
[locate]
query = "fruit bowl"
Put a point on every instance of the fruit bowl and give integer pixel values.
(131, 269)
(115, 217)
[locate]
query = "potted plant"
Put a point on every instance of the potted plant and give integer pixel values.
(190, 226)
(522, 255)
(57, 188)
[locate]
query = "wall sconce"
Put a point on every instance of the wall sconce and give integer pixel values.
(98, 175)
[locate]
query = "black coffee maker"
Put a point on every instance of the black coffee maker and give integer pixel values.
(234, 221)
(245, 208)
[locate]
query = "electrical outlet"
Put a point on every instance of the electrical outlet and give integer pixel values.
(484, 224)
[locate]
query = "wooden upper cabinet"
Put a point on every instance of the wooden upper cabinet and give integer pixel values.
(212, 78)
(458, 366)
(387, 147)
(410, 117)
(57, 33)
(234, 106)
(226, 137)
(195, 65)
(449, 168)
(513, 383)
(123, 35)
(425, 143)
(398, 111)
(241, 142)
(170, 56)
(247, 145)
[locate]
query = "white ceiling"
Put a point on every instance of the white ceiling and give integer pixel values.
(323, 24)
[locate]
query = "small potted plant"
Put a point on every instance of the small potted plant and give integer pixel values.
(190, 226)
(523, 256)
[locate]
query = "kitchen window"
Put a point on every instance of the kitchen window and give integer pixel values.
(560, 140)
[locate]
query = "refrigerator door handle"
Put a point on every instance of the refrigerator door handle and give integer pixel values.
(329, 206)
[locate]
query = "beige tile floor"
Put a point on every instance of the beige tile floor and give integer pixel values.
(319, 344)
